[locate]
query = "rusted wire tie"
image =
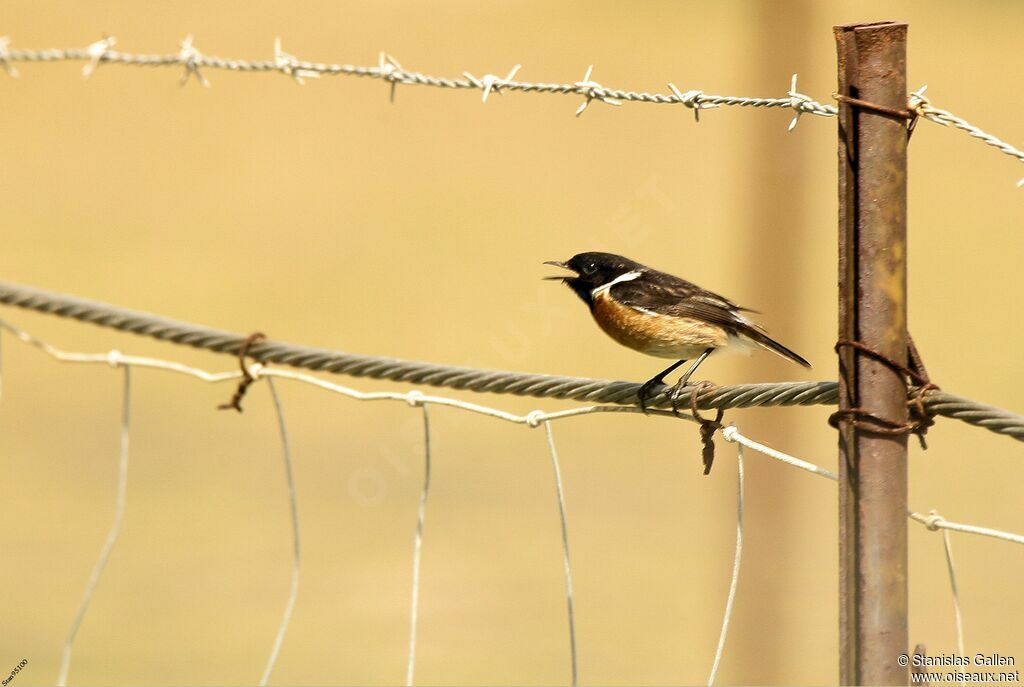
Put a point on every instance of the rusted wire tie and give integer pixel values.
(707, 427)
(907, 114)
(911, 115)
(247, 376)
(921, 418)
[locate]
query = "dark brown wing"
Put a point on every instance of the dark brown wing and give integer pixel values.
(666, 294)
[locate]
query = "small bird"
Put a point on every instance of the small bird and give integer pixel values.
(662, 315)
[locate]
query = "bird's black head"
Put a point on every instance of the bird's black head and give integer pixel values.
(594, 270)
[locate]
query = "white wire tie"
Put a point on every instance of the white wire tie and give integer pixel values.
(114, 358)
(5, 57)
(797, 101)
(96, 52)
(729, 433)
(535, 417)
(918, 99)
(254, 370)
(591, 90)
(391, 71)
(933, 520)
(414, 398)
(489, 82)
(191, 58)
(289, 65)
(692, 99)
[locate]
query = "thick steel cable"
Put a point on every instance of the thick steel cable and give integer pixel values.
(473, 379)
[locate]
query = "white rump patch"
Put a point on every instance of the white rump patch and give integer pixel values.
(741, 345)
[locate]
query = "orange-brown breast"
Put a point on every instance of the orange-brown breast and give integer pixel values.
(658, 335)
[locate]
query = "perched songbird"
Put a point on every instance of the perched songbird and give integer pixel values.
(662, 315)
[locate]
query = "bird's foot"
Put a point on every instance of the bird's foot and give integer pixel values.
(646, 391)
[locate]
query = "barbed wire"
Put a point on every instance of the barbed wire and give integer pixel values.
(478, 380)
(388, 69)
(920, 104)
(414, 398)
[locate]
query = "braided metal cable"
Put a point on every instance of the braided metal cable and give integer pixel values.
(473, 379)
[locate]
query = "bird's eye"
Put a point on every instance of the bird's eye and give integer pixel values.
(589, 268)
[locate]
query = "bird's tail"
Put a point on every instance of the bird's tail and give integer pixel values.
(765, 341)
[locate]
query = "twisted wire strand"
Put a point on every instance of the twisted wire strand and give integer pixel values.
(472, 379)
(388, 69)
(391, 71)
(946, 118)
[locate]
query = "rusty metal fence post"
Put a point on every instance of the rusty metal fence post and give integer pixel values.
(873, 311)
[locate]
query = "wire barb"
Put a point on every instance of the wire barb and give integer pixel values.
(97, 52)
(191, 58)
(798, 101)
(392, 72)
(591, 90)
(288, 65)
(692, 99)
(5, 41)
(491, 82)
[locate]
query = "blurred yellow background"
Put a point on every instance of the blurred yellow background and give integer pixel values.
(325, 215)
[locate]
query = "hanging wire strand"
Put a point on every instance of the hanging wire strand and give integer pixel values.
(932, 522)
(731, 434)
(115, 528)
(471, 379)
(951, 566)
(1, 364)
(293, 503)
(728, 433)
(417, 551)
(737, 558)
(566, 567)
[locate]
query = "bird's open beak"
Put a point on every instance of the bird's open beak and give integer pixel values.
(556, 263)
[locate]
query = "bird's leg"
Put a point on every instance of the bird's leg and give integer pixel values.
(674, 394)
(645, 389)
